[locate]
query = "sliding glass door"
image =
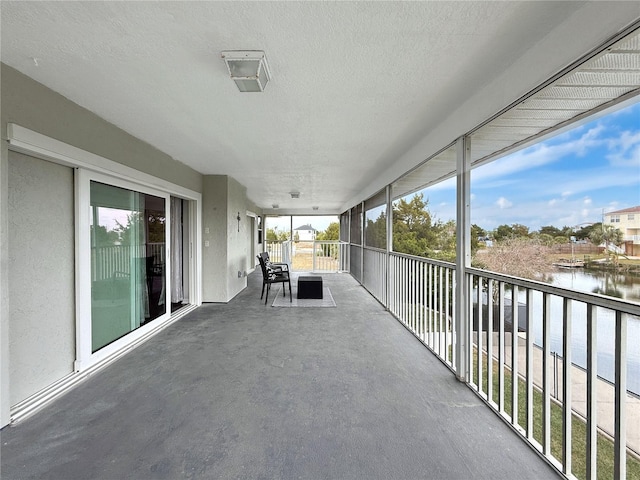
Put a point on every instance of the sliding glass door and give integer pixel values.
(128, 261)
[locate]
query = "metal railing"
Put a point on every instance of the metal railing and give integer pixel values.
(520, 333)
(519, 328)
(315, 256)
(279, 251)
(421, 296)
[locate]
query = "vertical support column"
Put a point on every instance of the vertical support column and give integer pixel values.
(463, 256)
(5, 415)
(348, 260)
(389, 245)
(361, 220)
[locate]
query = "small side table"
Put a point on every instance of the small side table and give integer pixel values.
(310, 287)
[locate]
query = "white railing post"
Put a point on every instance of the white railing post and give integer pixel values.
(546, 388)
(620, 442)
(592, 399)
(567, 365)
(463, 255)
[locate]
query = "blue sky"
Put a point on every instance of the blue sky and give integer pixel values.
(566, 180)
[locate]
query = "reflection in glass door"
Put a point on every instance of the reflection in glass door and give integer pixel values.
(128, 273)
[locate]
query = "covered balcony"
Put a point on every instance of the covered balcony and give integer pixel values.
(135, 181)
(247, 391)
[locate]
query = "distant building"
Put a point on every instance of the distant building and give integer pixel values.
(305, 233)
(627, 221)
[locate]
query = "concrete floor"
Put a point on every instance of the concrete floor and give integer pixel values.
(244, 390)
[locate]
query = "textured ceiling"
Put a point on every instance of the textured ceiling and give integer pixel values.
(361, 92)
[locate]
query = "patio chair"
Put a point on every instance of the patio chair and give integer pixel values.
(275, 266)
(269, 276)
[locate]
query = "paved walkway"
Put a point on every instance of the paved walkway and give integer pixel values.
(243, 390)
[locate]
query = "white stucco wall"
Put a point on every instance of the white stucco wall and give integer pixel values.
(41, 274)
(228, 250)
(214, 238)
(239, 238)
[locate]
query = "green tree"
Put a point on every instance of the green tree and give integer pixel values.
(375, 232)
(274, 235)
(331, 233)
(445, 245)
(502, 232)
(416, 232)
(412, 227)
(476, 234)
(545, 239)
(585, 232)
(103, 237)
(515, 230)
(520, 230)
(550, 230)
(142, 227)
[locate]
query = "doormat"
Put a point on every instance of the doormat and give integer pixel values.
(326, 301)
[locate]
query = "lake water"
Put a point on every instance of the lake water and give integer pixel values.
(626, 287)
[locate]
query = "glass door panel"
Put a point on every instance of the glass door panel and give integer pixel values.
(128, 274)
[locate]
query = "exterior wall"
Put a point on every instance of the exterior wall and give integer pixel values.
(239, 236)
(214, 238)
(223, 198)
(27, 103)
(627, 222)
(305, 235)
(42, 335)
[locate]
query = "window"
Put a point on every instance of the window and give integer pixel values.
(615, 218)
(630, 216)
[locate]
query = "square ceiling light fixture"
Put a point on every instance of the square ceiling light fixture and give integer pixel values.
(248, 68)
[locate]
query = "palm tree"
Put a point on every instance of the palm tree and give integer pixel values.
(607, 234)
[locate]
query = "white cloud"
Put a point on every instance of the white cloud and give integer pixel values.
(504, 203)
(626, 157)
(552, 202)
(540, 154)
(587, 201)
(566, 193)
